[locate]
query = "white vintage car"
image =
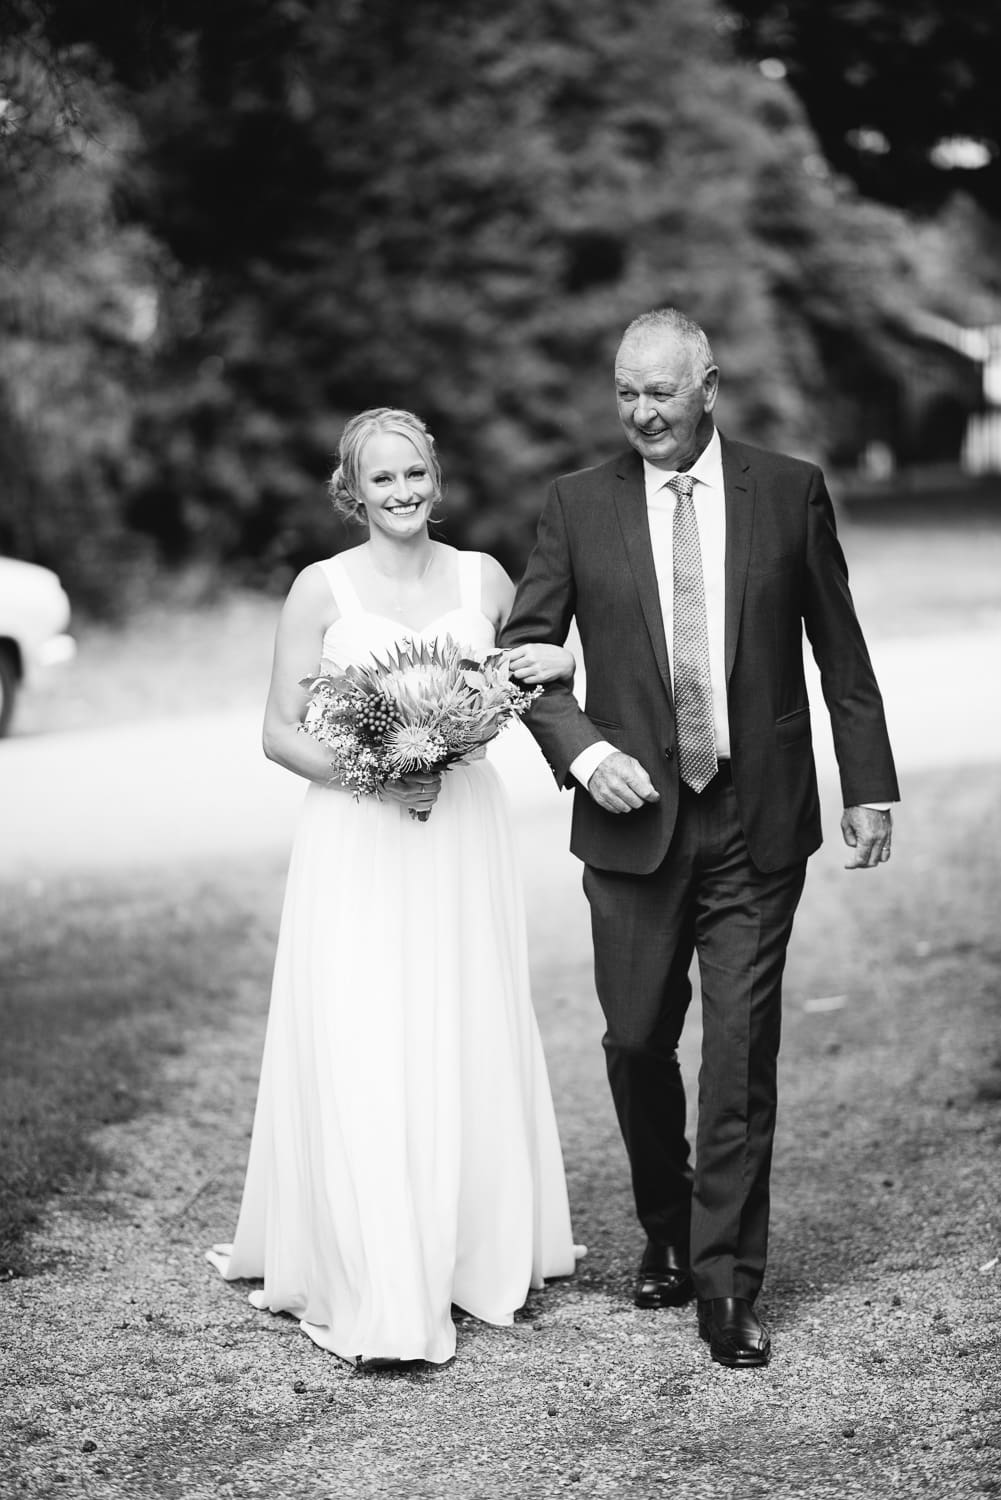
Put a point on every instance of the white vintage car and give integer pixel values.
(34, 614)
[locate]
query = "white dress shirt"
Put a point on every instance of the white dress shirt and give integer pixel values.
(710, 518)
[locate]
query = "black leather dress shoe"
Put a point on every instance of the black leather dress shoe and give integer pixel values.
(663, 1279)
(734, 1332)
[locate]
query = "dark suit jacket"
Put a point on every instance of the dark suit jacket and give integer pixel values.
(785, 571)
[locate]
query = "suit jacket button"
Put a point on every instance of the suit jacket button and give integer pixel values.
(669, 752)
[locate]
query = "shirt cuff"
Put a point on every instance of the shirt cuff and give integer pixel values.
(877, 806)
(588, 761)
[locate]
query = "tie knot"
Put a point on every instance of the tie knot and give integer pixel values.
(682, 485)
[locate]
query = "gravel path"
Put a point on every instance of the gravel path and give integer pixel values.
(131, 1370)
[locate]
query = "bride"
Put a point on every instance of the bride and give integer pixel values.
(405, 1156)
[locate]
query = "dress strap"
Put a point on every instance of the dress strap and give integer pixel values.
(343, 590)
(471, 581)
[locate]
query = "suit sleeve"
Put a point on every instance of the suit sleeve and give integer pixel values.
(861, 742)
(543, 609)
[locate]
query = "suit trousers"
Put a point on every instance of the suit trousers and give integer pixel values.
(707, 898)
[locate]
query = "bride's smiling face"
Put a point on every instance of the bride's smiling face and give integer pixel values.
(396, 489)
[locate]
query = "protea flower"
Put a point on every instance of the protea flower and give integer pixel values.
(414, 747)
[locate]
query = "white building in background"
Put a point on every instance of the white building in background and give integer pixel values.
(981, 450)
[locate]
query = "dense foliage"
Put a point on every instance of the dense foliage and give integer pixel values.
(904, 98)
(225, 228)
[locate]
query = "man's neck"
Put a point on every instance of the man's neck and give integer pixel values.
(689, 463)
(685, 468)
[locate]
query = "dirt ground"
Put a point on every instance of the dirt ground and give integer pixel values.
(132, 1370)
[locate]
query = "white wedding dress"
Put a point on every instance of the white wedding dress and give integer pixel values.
(405, 1154)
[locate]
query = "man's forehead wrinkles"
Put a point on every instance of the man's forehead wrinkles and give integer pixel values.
(656, 376)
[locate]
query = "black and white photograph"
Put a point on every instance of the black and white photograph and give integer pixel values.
(500, 750)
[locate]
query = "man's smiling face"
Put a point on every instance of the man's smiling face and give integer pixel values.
(664, 399)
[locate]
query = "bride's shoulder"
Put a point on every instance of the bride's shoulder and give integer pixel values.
(312, 591)
(496, 588)
(489, 566)
(315, 578)
(491, 570)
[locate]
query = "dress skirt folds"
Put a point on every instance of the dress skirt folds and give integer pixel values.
(405, 1154)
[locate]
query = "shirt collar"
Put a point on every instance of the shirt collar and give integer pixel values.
(707, 469)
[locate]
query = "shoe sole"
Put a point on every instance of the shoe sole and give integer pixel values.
(758, 1362)
(665, 1298)
(747, 1361)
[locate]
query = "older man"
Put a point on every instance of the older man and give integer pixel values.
(693, 564)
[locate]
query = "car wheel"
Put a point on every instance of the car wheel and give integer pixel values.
(8, 690)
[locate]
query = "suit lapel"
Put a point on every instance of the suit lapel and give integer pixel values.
(739, 500)
(630, 504)
(739, 494)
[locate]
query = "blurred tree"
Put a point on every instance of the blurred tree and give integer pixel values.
(423, 204)
(76, 296)
(904, 98)
(456, 208)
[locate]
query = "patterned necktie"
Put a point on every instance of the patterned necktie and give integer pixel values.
(693, 704)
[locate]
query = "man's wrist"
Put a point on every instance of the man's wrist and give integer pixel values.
(583, 766)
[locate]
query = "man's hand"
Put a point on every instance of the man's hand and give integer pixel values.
(868, 834)
(619, 784)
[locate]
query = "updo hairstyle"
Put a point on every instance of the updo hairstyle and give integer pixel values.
(344, 487)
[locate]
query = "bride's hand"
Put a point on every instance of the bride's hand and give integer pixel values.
(536, 662)
(418, 792)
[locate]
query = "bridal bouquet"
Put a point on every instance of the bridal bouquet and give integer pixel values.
(421, 710)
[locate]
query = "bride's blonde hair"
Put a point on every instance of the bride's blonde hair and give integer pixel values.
(344, 486)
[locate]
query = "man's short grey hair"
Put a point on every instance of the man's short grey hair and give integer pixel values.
(670, 320)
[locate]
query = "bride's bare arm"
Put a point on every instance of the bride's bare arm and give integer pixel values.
(306, 614)
(534, 663)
